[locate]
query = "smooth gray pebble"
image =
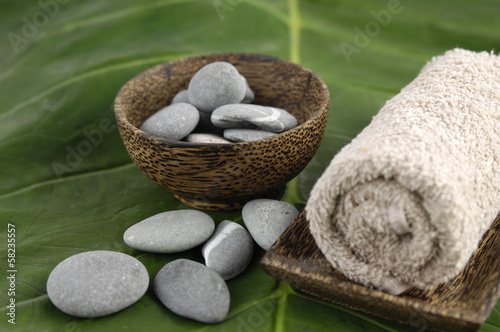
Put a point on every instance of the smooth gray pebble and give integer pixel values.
(171, 231)
(214, 85)
(97, 283)
(206, 138)
(174, 122)
(249, 94)
(264, 117)
(181, 97)
(192, 290)
(229, 251)
(246, 135)
(266, 219)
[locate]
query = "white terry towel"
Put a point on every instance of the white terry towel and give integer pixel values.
(408, 200)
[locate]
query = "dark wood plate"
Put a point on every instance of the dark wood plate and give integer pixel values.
(463, 304)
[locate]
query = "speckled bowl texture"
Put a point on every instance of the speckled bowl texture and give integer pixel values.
(225, 176)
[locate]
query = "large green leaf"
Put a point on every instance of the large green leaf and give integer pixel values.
(58, 80)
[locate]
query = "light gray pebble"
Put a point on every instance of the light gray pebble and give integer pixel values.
(246, 135)
(214, 85)
(171, 231)
(266, 219)
(181, 97)
(249, 94)
(97, 283)
(266, 118)
(172, 122)
(192, 290)
(229, 251)
(206, 138)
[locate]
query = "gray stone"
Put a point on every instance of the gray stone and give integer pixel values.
(249, 94)
(266, 118)
(229, 251)
(206, 138)
(246, 135)
(266, 219)
(192, 290)
(172, 122)
(97, 283)
(181, 97)
(214, 85)
(169, 232)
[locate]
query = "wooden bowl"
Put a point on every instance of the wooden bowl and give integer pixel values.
(225, 176)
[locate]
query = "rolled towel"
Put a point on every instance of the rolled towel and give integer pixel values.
(406, 203)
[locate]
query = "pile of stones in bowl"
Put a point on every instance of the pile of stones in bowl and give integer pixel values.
(216, 108)
(98, 283)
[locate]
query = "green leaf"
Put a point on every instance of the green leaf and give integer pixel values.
(68, 185)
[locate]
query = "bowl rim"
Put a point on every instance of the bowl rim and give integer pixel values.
(119, 112)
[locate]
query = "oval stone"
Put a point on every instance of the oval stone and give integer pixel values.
(229, 251)
(171, 231)
(246, 135)
(206, 138)
(192, 290)
(264, 117)
(97, 283)
(267, 219)
(175, 121)
(214, 85)
(181, 97)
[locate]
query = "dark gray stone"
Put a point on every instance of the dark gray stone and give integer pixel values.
(246, 135)
(97, 283)
(214, 85)
(181, 97)
(192, 290)
(267, 219)
(206, 138)
(172, 122)
(264, 117)
(169, 232)
(229, 251)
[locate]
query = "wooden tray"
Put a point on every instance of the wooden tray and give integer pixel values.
(462, 304)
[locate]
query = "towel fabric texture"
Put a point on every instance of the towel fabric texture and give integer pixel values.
(406, 203)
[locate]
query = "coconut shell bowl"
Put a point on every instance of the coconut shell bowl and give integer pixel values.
(225, 176)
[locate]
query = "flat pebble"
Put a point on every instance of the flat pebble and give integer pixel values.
(97, 283)
(249, 94)
(181, 97)
(266, 118)
(206, 138)
(214, 85)
(169, 232)
(229, 251)
(246, 135)
(192, 290)
(266, 219)
(175, 121)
